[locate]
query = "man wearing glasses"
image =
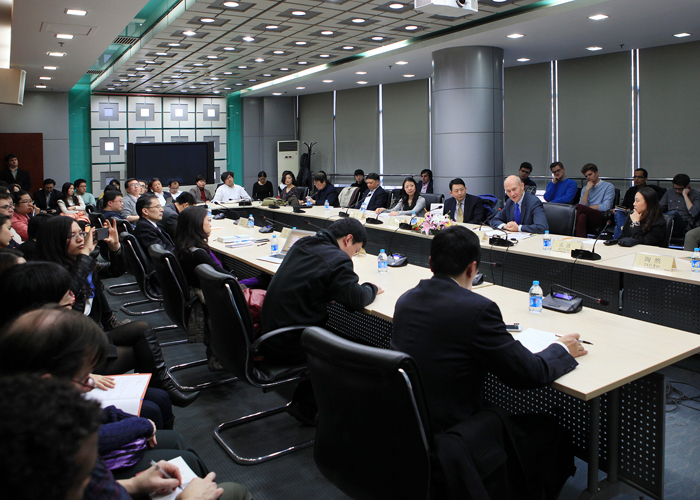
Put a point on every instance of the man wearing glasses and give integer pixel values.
(640, 181)
(7, 207)
(133, 191)
(147, 231)
(560, 189)
(683, 203)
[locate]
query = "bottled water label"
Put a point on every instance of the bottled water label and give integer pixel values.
(535, 302)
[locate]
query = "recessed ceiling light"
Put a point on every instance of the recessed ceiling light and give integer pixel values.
(212, 57)
(284, 69)
(56, 54)
(267, 74)
(301, 88)
(362, 82)
(302, 62)
(228, 72)
(360, 72)
(277, 93)
(327, 81)
(252, 80)
(110, 88)
(149, 90)
(161, 53)
(408, 76)
(76, 12)
(260, 59)
(237, 85)
(64, 36)
(156, 86)
(516, 35)
(229, 48)
(39, 86)
(248, 39)
(140, 69)
(298, 13)
(121, 79)
(499, 1)
(242, 67)
(214, 78)
(117, 84)
(327, 32)
(198, 64)
(593, 49)
(348, 47)
(681, 35)
(358, 20)
(377, 38)
(193, 87)
(185, 71)
(150, 62)
(396, 6)
(189, 33)
(217, 92)
(183, 91)
(271, 27)
(401, 62)
(523, 59)
(300, 43)
(598, 17)
(49, 78)
(324, 55)
(51, 68)
(174, 44)
(165, 82)
(278, 51)
(411, 28)
(206, 20)
(230, 4)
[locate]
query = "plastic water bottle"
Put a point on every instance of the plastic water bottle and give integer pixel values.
(414, 219)
(535, 298)
(251, 222)
(547, 241)
(695, 260)
(382, 261)
(326, 206)
(274, 246)
(363, 209)
(209, 214)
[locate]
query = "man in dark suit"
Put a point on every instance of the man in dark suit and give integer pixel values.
(523, 211)
(456, 336)
(171, 212)
(15, 175)
(47, 197)
(463, 207)
(147, 231)
(425, 184)
(375, 196)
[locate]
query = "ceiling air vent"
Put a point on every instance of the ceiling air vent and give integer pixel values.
(125, 40)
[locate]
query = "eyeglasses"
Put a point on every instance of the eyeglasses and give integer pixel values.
(25, 202)
(88, 383)
(81, 234)
(639, 177)
(11, 206)
(557, 171)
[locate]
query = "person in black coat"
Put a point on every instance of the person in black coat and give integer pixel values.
(324, 191)
(456, 336)
(472, 207)
(646, 222)
(360, 180)
(12, 169)
(46, 199)
(425, 184)
(263, 188)
(375, 195)
(172, 211)
(147, 232)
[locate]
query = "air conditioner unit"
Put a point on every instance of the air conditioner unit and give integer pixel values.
(447, 8)
(12, 86)
(288, 157)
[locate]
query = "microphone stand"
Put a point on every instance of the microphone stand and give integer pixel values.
(590, 254)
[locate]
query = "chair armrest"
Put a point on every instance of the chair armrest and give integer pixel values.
(257, 345)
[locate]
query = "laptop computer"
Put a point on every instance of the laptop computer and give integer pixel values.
(294, 236)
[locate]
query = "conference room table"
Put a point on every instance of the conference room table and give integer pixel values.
(613, 403)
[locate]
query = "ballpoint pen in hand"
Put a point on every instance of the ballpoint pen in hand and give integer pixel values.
(165, 474)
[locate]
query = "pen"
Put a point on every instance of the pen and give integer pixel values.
(165, 474)
(261, 244)
(580, 341)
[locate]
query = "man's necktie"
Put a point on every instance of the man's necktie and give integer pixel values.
(516, 214)
(460, 213)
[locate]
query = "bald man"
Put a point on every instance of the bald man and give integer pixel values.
(523, 211)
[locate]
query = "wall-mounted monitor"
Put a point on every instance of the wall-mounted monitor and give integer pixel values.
(181, 161)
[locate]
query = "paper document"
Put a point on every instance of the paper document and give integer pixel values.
(187, 476)
(536, 340)
(127, 395)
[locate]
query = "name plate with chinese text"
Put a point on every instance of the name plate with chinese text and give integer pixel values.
(651, 261)
(565, 245)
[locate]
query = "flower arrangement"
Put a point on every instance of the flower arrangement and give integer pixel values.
(432, 223)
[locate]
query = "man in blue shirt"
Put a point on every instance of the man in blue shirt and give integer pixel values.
(561, 189)
(596, 199)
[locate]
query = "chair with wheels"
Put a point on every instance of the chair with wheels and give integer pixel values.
(233, 341)
(136, 263)
(178, 302)
(561, 218)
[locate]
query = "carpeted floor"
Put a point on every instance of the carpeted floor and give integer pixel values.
(296, 477)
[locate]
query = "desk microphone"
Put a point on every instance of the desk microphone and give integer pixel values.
(492, 265)
(227, 210)
(567, 303)
(344, 214)
(278, 222)
(307, 221)
(589, 254)
(501, 241)
(375, 220)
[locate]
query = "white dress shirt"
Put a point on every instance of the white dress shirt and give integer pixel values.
(225, 194)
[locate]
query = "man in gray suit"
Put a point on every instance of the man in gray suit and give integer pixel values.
(133, 190)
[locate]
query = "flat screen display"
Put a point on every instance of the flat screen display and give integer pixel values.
(180, 161)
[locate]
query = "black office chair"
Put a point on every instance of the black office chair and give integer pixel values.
(136, 263)
(233, 341)
(561, 218)
(90, 208)
(178, 302)
(124, 226)
(577, 197)
(432, 198)
(304, 192)
(669, 231)
(616, 201)
(374, 438)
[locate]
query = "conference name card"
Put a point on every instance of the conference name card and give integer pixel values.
(355, 214)
(285, 233)
(395, 221)
(565, 245)
(651, 261)
(243, 222)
